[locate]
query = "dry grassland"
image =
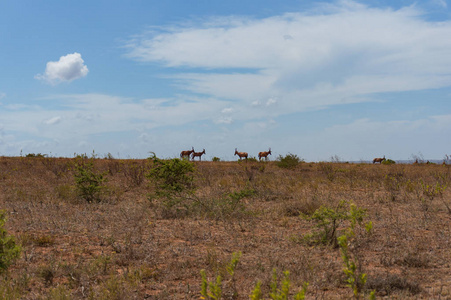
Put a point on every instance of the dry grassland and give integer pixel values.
(126, 246)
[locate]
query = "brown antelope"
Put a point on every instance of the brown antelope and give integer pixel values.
(241, 154)
(186, 153)
(415, 162)
(378, 160)
(264, 154)
(198, 154)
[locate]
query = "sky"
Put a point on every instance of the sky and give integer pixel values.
(347, 79)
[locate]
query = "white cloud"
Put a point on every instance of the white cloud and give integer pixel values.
(52, 121)
(335, 54)
(68, 68)
(271, 101)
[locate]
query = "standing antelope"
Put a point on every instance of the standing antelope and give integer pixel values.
(186, 153)
(378, 160)
(264, 154)
(241, 154)
(198, 154)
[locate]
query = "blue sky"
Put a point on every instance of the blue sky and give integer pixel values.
(355, 79)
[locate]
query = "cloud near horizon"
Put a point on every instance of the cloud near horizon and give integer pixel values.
(66, 69)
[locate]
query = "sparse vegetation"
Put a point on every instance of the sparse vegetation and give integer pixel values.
(120, 245)
(9, 250)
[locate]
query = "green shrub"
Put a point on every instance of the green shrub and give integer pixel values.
(290, 161)
(171, 177)
(328, 220)
(216, 159)
(89, 183)
(9, 250)
(173, 185)
(388, 162)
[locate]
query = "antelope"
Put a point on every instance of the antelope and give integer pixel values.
(241, 154)
(415, 162)
(264, 154)
(198, 154)
(186, 153)
(378, 160)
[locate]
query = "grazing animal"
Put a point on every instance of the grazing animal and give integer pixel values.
(186, 153)
(198, 154)
(415, 162)
(378, 160)
(241, 154)
(264, 154)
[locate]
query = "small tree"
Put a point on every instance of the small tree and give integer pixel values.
(89, 184)
(173, 182)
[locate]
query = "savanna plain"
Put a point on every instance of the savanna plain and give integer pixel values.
(106, 228)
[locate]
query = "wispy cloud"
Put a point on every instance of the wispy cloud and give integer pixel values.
(334, 54)
(67, 68)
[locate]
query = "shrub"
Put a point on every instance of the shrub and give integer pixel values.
(328, 220)
(388, 162)
(227, 206)
(134, 172)
(171, 177)
(36, 155)
(9, 250)
(173, 183)
(89, 184)
(290, 161)
(216, 159)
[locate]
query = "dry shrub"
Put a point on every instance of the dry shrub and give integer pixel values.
(387, 284)
(297, 207)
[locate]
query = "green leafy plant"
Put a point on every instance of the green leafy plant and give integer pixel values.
(279, 292)
(89, 184)
(9, 250)
(329, 219)
(216, 159)
(355, 278)
(213, 289)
